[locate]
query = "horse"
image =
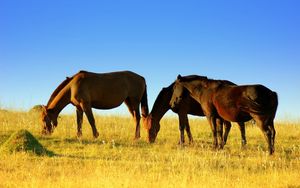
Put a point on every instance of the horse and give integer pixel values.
(187, 105)
(87, 90)
(231, 103)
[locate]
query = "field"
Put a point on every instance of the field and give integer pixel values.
(116, 160)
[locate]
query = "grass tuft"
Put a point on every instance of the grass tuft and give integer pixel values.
(24, 141)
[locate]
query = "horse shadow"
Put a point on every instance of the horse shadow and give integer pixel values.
(77, 143)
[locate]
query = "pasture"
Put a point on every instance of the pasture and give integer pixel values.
(114, 159)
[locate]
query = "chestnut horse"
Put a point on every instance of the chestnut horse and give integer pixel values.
(187, 105)
(232, 103)
(87, 90)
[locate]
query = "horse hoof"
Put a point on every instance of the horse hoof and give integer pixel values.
(96, 135)
(244, 142)
(271, 151)
(180, 142)
(244, 146)
(79, 135)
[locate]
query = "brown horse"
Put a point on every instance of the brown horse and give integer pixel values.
(187, 105)
(232, 103)
(87, 90)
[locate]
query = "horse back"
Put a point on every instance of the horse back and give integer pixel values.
(118, 85)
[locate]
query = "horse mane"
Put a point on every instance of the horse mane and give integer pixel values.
(165, 96)
(59, 88)
(205, 79)
(224, 82)
(190, 78)
(161, 97)
(62, 85)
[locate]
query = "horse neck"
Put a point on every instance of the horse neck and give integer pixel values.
(161, 104)
(60, 101)
(192, 88)
(159, 112)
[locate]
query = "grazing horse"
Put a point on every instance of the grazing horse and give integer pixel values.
(232, 103)
(87, 90)
(187, 105)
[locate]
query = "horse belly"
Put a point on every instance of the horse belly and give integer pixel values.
(226, 104)
(105, 106)
(233, 115)
(107, 101)
(98, 98)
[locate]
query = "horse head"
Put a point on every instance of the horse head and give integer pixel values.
(177, 92)
(49, 121)
(152, 126)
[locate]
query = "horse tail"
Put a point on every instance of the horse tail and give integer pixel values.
(274, 102)
(252, 107)
(144, 103)
(268, 105)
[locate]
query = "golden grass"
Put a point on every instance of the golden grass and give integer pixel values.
(115, 160)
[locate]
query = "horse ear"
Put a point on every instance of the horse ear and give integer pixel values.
(179, 77)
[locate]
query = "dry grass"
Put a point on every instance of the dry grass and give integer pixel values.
(115, 160)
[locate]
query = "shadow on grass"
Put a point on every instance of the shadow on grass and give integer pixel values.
(81, 146)
(77, 157)
(99, 141)
(3, 138)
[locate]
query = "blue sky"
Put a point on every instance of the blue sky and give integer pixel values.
(247, 42)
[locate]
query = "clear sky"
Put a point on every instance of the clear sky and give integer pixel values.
(247, 42)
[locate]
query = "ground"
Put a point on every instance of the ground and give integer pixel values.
(116, 160)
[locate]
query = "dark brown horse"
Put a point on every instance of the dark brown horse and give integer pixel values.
(86, 90)
(187, 105)
(232, 103)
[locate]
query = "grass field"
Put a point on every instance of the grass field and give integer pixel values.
(116, 160)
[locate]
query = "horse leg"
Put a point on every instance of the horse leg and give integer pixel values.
(188, 131)
(184, 124)
(88, 112)
(212, 124)
(273, 133)
(227, 125)
(135, 112)
(262, 124)
(79, 113)
(181, 128)
(219, 124)
(137, 118)
(243, 133)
